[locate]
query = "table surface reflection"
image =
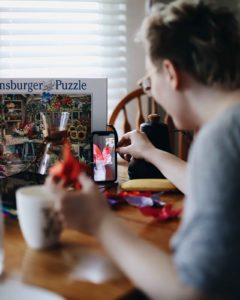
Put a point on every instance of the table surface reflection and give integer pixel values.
(78, 267)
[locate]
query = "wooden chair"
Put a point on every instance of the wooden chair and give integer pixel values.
(178, 141)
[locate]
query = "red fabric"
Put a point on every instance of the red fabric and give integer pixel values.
(107, 150)
(125, 194)
(69, 168)
(97, 152)
(161, 214)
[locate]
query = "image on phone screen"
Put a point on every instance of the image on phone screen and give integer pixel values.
(104, 157)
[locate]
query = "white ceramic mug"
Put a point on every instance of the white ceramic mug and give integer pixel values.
(37, 219)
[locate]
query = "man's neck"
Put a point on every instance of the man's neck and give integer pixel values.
(207, 102)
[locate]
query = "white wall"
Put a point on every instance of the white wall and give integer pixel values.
(135, 57)
(135, 51)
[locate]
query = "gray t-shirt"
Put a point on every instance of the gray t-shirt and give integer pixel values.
(207, 245)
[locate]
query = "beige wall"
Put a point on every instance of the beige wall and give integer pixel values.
(135, 51)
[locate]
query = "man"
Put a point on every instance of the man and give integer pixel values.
(194, 68)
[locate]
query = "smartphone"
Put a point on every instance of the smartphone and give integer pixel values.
(104, 156)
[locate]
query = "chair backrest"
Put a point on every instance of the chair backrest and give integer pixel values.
(179, 140)
(137, 96)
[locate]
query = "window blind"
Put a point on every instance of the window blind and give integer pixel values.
(61, 38)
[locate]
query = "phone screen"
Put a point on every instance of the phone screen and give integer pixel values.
(104, 157)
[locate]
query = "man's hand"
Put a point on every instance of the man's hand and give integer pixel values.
(134, 144)
(81, 210)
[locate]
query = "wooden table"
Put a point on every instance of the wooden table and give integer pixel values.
(79, 268)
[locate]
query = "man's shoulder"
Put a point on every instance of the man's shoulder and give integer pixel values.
(221, 133)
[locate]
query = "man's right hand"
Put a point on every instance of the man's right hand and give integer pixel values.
(134, 144)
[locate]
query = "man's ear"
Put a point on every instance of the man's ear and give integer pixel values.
(172, 74)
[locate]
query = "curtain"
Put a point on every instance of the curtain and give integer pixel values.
(61, 38)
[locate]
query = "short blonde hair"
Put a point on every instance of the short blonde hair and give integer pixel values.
(198, 38)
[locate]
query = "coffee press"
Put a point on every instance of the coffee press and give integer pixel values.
(54, 132)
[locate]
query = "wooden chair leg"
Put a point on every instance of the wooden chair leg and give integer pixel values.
(126, 124)
(139, 119)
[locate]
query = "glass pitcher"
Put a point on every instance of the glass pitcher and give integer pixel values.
(54, 132)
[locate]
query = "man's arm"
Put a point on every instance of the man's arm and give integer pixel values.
(172, 167)
(136, 144)
(148, 267)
